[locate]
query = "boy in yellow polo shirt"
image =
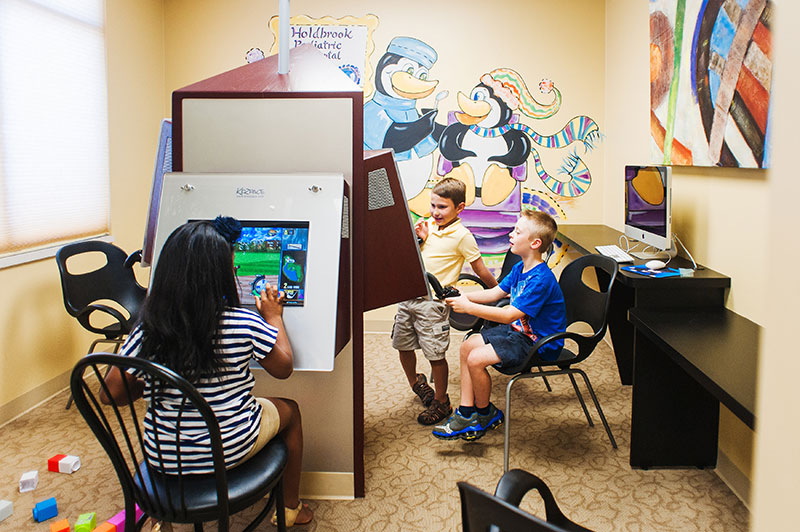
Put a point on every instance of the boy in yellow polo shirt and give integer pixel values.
(422, 323)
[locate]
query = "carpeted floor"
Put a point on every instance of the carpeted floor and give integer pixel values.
(410, 476)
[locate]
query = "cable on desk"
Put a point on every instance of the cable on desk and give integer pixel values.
(694, 264)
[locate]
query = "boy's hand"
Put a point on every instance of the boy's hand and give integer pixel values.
(270, 303)
(459, 304)
(421, 229)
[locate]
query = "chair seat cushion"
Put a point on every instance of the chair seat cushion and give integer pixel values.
(247, 484)
(564, 360)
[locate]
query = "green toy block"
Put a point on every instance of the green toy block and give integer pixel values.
(86, 522)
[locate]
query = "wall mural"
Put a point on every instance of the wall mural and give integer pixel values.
(710, 79)
(485, 143)
(489, 142)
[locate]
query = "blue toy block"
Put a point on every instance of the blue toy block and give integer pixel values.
(6, 509)
(45, 510)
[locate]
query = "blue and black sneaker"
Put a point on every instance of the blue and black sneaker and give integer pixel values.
(458, 426)
(491, 420)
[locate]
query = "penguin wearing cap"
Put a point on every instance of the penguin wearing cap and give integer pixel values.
(391, 118)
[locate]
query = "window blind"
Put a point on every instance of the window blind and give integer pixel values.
(54, 178)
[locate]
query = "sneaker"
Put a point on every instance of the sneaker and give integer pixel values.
(423, 390)
(491, 420)
(458, 426)
(436, 412)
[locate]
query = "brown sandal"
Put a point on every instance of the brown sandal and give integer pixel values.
(423, 390)
(436, 412)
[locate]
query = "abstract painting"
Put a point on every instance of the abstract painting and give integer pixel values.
(710, 80)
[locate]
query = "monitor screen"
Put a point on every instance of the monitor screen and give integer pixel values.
(275, 253)
(163, 166)
(647, 204)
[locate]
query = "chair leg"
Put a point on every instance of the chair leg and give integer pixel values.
(198, 527)
(117, 343)
(580, 398)
(280, 506)
(597, 406)
(507, 433)
(544, 378)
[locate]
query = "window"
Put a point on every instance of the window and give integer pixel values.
(54, 179)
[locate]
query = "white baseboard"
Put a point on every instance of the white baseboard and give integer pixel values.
(736, 480)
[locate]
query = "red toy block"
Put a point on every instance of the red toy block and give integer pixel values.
(52, 463)
(60, 526)
(106, 527)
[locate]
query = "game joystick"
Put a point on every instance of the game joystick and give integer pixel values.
(441, 293)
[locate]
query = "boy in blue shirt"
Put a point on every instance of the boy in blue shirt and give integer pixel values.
(536, 311)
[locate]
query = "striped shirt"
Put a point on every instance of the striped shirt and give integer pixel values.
(242, 335)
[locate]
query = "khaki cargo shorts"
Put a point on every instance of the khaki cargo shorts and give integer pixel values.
(422, 324)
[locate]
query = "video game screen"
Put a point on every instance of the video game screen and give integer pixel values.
(274, 253)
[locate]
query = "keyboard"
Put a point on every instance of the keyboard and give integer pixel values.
(615, 252)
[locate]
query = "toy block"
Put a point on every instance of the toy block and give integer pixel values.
(52, 463)
(86, 522)
(28, 481)
(6, 509)
(64, 463)
(60, 526)
(106, 527)
(119, 519)
(45, 509)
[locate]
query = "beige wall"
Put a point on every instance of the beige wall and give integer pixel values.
(777, 462)
(39, 341)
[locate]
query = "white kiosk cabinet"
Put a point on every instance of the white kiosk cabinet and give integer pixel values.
(291, 236)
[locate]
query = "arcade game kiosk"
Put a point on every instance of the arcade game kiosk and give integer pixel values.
(283, 154)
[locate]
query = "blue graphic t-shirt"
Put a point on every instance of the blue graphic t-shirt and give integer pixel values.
(537, 294)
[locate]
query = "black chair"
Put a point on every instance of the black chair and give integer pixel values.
(114, 281)
(584, 305)
(482, 512)
(174, 498)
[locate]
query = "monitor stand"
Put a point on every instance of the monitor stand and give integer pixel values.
(656, 254)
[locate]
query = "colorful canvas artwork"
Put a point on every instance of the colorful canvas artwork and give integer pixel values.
(710, 79)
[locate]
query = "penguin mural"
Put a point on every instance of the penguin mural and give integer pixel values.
(391, 119)
(486, 147)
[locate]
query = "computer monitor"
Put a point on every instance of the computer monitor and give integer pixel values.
(163, 166)
(272, 252)
(648, 207)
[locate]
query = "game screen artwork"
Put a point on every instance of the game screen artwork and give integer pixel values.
(646, 198)
(274, 253)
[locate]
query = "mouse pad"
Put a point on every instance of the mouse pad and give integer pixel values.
(647, 272)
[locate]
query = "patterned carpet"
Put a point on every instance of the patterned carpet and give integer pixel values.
(410, 476)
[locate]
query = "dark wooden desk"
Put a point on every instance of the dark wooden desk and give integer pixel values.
(706, 289)
(687, 363)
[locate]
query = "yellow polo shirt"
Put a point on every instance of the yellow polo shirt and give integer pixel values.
(445, 250)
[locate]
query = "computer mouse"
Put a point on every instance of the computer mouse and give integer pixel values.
(654, 264)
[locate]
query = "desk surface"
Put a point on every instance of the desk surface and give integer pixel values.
(586, 237)
(719, 348)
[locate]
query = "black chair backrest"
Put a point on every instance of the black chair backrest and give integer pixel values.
(113, 281)
(482, 512)
(508, 262)
(119, 430)
(584, 303)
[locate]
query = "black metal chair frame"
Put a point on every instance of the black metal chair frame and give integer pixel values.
(114, 281)
(583, 304)
(174, 498)
(483, 512)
